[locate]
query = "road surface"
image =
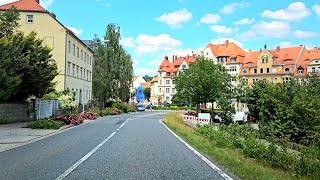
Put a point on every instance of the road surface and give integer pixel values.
(132, 146)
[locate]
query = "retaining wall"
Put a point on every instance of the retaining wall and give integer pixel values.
(11, 113)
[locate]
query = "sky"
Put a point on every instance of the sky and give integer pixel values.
(151, 29)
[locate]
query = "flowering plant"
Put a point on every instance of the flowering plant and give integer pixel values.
(67, 102)
(88, 115)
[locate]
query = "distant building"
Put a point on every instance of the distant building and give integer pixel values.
(74, 59)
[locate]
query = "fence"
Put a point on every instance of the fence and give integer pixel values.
(44, 108)
(196, 120)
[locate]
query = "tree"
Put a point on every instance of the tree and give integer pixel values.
(147, 78)
(113, 71)
(9, 22)
(25, 68)
(203, 82)
(147, 92)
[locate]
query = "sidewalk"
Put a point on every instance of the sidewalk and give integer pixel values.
(16, 135)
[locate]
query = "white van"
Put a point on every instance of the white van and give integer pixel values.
(238, 117)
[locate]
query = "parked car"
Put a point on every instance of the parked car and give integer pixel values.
(238, 117)
(141, 107)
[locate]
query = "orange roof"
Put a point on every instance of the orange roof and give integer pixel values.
(155, 79)
(146, 84)
(24, 5)
(286, 56)
(228, 49)
(306, 57)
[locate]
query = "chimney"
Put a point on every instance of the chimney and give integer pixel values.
(188, 56)
(176, 57)
(278, 48)
(38, 1)
(227, 42)
(172, 58)
(260, 50)
(166, 57)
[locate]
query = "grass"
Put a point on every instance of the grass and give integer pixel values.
(233, 160)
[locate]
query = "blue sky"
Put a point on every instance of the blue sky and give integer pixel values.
(152, 28)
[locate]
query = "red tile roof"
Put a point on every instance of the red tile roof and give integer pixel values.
(24, 5)
(306, 57)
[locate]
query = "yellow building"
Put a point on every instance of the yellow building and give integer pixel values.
(277, 65)
(74, 59)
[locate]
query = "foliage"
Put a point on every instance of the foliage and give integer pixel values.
(113, 71)
(121, 106)
(203, 82)
(70, 119)
(147, 78)
(25, 69)
(67, 102)
(147, 93)
(88, 115)
(287, 110)
(132, 109)
(45, 124)
(9, 22)
(245, 138)
(227, 109)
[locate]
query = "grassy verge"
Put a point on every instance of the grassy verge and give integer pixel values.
(233, 160)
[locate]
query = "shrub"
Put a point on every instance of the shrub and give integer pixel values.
(72, 119)
(106, 112)
(121, 106)
(45, 124)
(88, 115)
(132, 109)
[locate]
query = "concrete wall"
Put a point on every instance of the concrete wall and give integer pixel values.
(10, 113)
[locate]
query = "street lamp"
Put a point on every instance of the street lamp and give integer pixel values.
(86, 67)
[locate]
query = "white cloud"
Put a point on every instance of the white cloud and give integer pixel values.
(185, 52)
(155, 63)
(247, 35)
(76, 31)
(127, 42)
(144, 71)
(294, 12)
(304, 34)
(223, 40)
(275, 29)
(221, 29)
(148, 44)
(210, 19)
(316, 9)
(244, 21)
(231, 8)
(285, 44)
(175, 19)
(108, 5)
(44, 3)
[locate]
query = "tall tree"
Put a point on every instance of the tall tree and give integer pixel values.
(9, 22)
(147, 93)
(147, 78)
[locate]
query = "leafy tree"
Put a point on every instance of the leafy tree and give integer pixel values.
(147, 78)
(25, 68)
(113, 71)
(147, 92)
(9, 22)
(203, 82)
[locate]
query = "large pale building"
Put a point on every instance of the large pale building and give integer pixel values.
(74, 59)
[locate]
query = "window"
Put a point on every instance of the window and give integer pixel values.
(233, 69)
(167, 82)
(274, 80)
(29, 18)
(264, 60)
(286, 79)
(90, 60)
(160, 81)
(287, 70)
(84, 74)
(255, 71)
(77, 71)
(81, 73)
(69, 46)
(245, 71)
(313, 69)
(300, 71)
(264, 79)
(167, 90)
(255, 80)
(87, 75)
(81, 54)
(77, 52)
(173, 90)
(274, 70)
(85, 57)
(261, 70)
(233, 60)
(184, 66)
(68, 69)
(160, 90)
(73, 67)
(168, 74)
(74, 50)
(268, 70)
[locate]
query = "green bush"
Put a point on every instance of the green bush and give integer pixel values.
(132, 109)
(304, 163)
(121, 106)
(45, 124)
(106, 112)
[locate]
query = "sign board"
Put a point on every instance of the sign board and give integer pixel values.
(204, 116)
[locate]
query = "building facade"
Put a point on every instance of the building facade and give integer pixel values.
(73, 57)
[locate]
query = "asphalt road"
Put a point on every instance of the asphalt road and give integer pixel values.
(133, 146)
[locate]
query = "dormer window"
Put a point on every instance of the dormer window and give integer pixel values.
(264, 60)
(168, 74)
(29, 18)
(183, 66)
(287, 69)
(245, 71)
(233, 60)
(300, 71)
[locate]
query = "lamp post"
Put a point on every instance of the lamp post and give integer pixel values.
(86, 67)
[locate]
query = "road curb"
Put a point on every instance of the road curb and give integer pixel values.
(207, 161)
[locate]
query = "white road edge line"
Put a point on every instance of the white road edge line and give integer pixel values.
(73, 167)
(213, 166)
